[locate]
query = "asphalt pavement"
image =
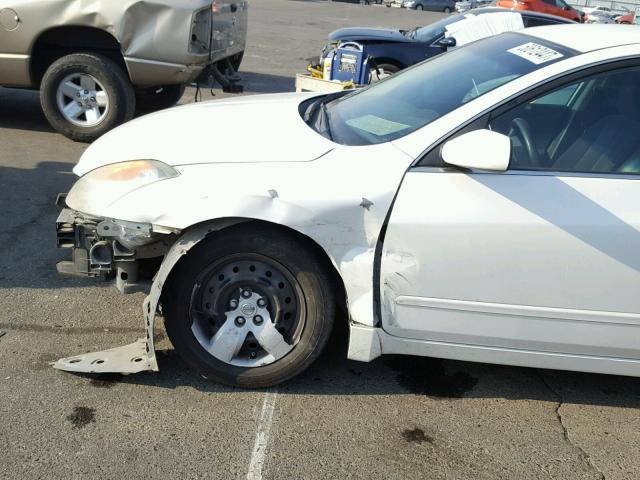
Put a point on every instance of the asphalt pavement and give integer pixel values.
(397, 417)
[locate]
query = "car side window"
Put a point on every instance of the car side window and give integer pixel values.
(587, 126)
(536, 22)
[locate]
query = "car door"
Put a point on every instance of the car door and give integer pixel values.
(544, 257)
(433, 5)
(549, 6)
(564, 10)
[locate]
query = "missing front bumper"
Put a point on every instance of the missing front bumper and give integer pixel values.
(108, 248)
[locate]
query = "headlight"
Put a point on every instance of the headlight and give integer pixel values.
(105, 185)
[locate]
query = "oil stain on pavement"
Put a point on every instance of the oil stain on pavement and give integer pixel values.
(427, 376)
(82, 416)
(416, 435)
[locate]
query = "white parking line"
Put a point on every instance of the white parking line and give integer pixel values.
(262, 435)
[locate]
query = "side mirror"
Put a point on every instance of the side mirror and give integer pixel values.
(447, 42)
(479, 150)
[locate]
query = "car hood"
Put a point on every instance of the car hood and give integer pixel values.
(357, 33)
(250, 129)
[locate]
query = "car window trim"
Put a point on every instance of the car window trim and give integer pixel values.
(432, 155)
(533, 173)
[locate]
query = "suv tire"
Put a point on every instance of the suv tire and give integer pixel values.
(84, 95)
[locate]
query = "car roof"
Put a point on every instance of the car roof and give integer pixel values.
(524, 13)
(586, 38)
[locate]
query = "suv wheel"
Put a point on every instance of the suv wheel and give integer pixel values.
(250, 307)
(84, 95)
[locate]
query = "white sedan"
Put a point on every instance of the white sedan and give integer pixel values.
(480, 206)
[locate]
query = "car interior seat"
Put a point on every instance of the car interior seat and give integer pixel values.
(612, 141)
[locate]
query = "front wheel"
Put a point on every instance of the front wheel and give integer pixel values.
(447, 10)
(86, 94)
(250, 307)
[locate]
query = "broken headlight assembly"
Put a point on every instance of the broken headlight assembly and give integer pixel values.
(105, 185)
(101, 245)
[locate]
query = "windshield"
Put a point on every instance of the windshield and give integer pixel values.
(416, 97)
(431, 32)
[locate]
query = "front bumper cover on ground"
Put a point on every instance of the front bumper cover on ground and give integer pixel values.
(136, 357)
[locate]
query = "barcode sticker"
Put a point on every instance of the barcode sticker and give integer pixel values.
(535, 53)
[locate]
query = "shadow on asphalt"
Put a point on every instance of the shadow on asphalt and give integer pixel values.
(27, 232)
(21, 110)
(265, 83)
(333, 374)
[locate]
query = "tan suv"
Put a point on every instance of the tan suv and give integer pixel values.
(96, 62)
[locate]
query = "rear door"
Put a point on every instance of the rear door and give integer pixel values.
(544, 257)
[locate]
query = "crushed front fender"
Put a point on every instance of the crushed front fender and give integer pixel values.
(140, 356)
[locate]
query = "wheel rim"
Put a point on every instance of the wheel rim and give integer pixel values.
(377, 75)
(82, 100)
(247, 310)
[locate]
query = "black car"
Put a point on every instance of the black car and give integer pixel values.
(392, 50)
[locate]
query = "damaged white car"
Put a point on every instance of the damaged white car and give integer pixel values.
(479, 206)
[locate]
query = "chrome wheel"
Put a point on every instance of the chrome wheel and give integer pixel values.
(82, 100)
(247, 310)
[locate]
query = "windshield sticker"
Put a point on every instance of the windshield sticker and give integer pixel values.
(535, 53)
(376, 125)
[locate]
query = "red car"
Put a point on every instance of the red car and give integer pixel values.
(627, 19)
(553, 7)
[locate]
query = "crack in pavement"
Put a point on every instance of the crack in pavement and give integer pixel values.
(33, 327)
(565, 432)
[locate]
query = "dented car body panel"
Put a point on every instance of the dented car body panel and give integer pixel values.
(163, 42)
(342, 213)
